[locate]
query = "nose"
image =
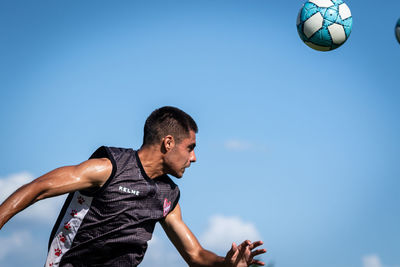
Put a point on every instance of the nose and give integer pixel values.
(192, 157)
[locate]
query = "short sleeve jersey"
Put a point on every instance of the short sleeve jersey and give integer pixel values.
(111, 226)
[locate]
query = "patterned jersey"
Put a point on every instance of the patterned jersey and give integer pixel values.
(111, 226)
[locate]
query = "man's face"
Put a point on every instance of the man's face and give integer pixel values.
(181, 156)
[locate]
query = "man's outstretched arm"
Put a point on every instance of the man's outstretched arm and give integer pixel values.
(195, 255)
(89, 174)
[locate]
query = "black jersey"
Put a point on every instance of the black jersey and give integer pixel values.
(111, 226)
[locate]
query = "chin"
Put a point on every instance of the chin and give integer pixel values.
(178, 175)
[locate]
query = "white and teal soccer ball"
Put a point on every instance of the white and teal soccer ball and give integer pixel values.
(324, 25)
(397, 30)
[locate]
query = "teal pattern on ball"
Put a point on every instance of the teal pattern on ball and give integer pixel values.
(324, 25)
(397, 30)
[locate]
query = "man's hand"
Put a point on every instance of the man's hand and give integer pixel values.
(243, 255)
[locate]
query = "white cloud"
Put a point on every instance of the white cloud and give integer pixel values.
(17, 241)
(238, 145)
(218, 237)
(371, 261)
(161, 252)
(11, 183)
(222, 231)
(44, 211)
(242, 145)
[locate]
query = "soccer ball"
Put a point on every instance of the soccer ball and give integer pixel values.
(397, 30)
(324, 25)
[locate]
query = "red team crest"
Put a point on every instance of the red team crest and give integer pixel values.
(167, 206)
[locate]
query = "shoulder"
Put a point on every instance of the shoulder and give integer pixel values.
(95, 171)
(108, 152)
(103, 163)
(115, 159)
(117, 155)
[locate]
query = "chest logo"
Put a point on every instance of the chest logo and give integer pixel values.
(167, 206)
(129, 191)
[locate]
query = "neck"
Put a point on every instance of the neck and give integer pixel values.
(152, 162)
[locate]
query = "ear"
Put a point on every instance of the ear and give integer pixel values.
(168, 142)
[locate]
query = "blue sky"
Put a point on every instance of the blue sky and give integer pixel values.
(296, 147)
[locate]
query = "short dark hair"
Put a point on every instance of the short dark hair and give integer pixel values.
(167, 121)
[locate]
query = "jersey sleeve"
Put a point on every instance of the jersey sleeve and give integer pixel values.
(172, 195)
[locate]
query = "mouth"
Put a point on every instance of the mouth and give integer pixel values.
(184, 168)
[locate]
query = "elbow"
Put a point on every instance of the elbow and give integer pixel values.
(194, 259)
(202, 258)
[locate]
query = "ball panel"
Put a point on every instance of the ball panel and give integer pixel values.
(331, 14)
(347, 30)
(301, 34)
(322, 3)
(322, 10)
(348, 22)
(337, 33)
(334, 46)
(308, 13)
(313, 24)
(398, 31)
(327, 23)
(317, 47)
(322, 38)
(298, 18)
(309, 5)
(344, 11)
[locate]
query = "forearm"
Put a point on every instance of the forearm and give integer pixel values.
(40, 188)
(15, 203)
(187, 244)
(207, 258)
(45, 186)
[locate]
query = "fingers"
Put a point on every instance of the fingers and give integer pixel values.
(257, 262)
(234, 246)
(233, 251)
(256, 244)
(258, 252)
(244, 244)
(243, 249)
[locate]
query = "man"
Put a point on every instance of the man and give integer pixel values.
(118, 195)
